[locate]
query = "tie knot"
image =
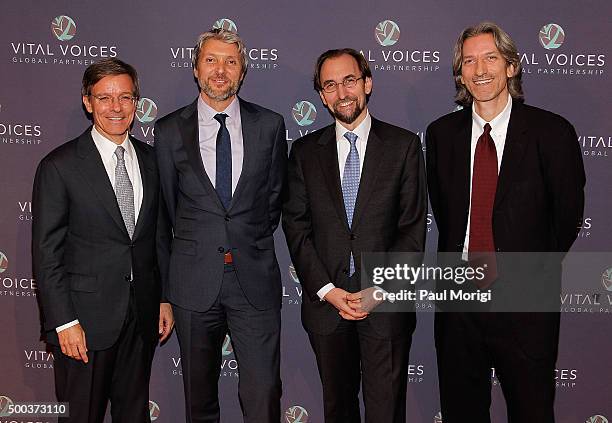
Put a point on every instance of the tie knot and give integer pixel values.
(351, 137)
(220, 117)
(119, 152)
(487, 129)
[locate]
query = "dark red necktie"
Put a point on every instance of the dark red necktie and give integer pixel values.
(484, 185)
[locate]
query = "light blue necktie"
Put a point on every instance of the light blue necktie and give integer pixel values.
(350, 186)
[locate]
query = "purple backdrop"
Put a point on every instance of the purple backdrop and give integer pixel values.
(47, 45)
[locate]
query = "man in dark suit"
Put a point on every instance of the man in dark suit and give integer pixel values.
(94, 255)
(353, 187)
(222, 165)
(503, 177)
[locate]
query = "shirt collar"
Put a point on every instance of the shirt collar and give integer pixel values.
(362, 130)
(499, 121)
(207, 113)
(107, 147)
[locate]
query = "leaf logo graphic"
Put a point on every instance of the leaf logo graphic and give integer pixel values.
(4, 405)
(3, 264)
(606, 279)
(146, 110)
(387, 33)
(296, 414)
(597, 419)
(227, 348)
(226, 24)
(153, 410)
(304, 113)
(63, 27)
(551, 36)
(293, 274)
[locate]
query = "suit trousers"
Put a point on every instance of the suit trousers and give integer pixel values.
(355, 350)
(255, 337)
(120, 374)
(468, 345)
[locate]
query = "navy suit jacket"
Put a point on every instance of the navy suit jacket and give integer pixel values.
(191, 261)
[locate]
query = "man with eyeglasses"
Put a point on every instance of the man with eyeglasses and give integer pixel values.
(94, 255)
(353, 187)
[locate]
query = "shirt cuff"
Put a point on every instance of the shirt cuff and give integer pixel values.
(323, 291)
(66, 326)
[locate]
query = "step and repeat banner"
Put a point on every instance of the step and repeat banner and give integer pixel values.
(45, 47)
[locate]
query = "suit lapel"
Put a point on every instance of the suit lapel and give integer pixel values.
(147, 175)
(462, 153)
(328, 160)
(514, 150)
(250, 135)
(191, 142)
(94, 173)
(375, 150)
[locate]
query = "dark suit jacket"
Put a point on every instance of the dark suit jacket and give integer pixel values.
(82, 254)
(192, 264)
(539, 200)
(389, 216)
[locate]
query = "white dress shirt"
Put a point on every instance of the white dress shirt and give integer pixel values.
(107, 148)
(208, 127)
(499, 128)
(344, 147)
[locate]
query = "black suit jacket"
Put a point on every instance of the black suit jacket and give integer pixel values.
(389, 216)
(82, 254)
(538, 204)
(192, 262)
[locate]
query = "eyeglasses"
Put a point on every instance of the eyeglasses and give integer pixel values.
(107, 100)
(348, 82)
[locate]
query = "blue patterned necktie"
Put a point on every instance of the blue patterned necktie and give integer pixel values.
(124, 192)
(223, 174)
(350, 185)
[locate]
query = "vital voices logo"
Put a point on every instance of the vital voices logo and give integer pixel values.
(598, 418)
(260, 58)
(63, 27)
(594, 296)
(66, 52)
(292, 291)
(416, 373)
(296, 414)
(20, 133)
(387, 33)
(146, 113)
(595, 145)
(551, 36)
(38, 359)
(409, 58)
(11, 286)
(5, 403)
(304, 113)
(566, 378)
(229, 364)
(153, 410)
(557, 60)
(24, 210)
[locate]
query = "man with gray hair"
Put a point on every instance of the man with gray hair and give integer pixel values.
(222, 166)
(503, 177)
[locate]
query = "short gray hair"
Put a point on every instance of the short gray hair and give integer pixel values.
(225, 36)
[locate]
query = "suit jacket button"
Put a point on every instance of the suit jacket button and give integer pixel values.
(227, 218)
(352, 237)
(221, 249)
(345, 271)
(127, 278)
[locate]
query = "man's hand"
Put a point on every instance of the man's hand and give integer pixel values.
(73, 344)
(166, 321)
(338, 298)
(363, 301)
